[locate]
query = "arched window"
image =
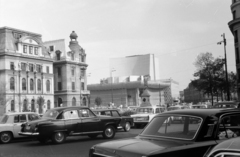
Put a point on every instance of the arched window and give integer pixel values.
(48, 104)
(12, 83)
(39, 84)
(24, 87)
(73, 101)
(72, 56)
(25, 105)
(48, 86)
(12, 105)
(31, 84)
(33, 105)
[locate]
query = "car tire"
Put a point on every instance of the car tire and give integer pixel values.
(127, 127)
(43, 140)
(58, 137)
(6, 137)
(109, 132)
(93, 135)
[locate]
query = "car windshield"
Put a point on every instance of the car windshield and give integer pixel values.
(175, 126)
(4, 119)
(145, 110)
(51, 114)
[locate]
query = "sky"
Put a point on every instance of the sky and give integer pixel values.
(176, 31)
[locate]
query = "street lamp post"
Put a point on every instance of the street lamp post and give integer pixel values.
(112, 83)
(225, 55)
(159, 95)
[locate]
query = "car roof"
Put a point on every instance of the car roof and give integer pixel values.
(59, 109)
(105, 109)
(227, 102)
(16, 113)
(203, 112)
(231, 144)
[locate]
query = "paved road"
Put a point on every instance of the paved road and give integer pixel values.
(73, 147)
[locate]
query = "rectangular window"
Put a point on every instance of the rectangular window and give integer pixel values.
(237, 55)
(59, 85)
(36, 50)
(30, 49)
(58, 56)
(59, 71)
(38, 68)
(23, 66)
(236, 36)
(31, 67)
(24, 48)
(51, 48)
(82, 73)
(82, 85)
(73, 71)
(47, 70)
(73, 85)
(12, 65)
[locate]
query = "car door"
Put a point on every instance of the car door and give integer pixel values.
(18, 120)
(89, 122)
(71, 120)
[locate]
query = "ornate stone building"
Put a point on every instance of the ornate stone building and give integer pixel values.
(26, 72)
(70, 80)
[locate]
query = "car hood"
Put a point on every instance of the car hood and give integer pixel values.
(135, 146)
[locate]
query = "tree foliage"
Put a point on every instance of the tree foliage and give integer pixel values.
(98, 101)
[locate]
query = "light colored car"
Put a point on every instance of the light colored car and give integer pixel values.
(10, 124)
(145, 114)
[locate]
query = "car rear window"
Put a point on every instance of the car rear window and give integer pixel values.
(175, 126)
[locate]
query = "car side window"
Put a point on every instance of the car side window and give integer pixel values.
(229, 127)
(22, 118)
(32, 117)
(72, 114)
(115, 114)
(86, 113)
(108, 113)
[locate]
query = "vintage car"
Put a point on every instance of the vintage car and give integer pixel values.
(228, 148)
(126, 121)
(176, 140)
(145, 114)
(58, 123)
(10, 124)
(199, 106)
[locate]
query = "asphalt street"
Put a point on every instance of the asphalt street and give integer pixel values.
(76, 146)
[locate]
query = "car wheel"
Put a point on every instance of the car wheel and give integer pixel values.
(58, 137)
(6, 137)
(92, 135)
(109, 132)
(127, 127)
(43, 140)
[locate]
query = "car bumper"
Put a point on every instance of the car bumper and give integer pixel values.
(28, 133)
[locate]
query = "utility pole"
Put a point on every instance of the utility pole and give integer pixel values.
(226, 73)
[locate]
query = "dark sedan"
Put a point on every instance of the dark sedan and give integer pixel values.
(58, 123)
(198, 132)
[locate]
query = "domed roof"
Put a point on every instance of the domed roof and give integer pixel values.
(145, 93)
(73, 35)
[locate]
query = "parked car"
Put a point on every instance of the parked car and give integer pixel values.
(198, 106)
(228, 148)
(126, 121)
(227, 104)
(176, 107)
(10, 124)
(145, 114)
(58, 123)
(176, 140)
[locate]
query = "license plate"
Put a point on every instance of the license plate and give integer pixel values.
(139, 119)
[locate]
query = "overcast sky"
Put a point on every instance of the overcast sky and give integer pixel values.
(176, 31)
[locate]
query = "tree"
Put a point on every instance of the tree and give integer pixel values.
(98, 101)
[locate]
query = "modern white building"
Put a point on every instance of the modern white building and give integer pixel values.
(26, 72)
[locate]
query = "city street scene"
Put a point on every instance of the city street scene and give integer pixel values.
(119, 78)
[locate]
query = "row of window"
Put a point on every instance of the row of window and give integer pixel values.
(30, 49)
(24, 84)
(59, 70)
(33, 107)
(81, 57)
(31, 67)
(73, 86)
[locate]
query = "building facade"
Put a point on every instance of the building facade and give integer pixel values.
(70, 79)
(26, 72)
(234, 26)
